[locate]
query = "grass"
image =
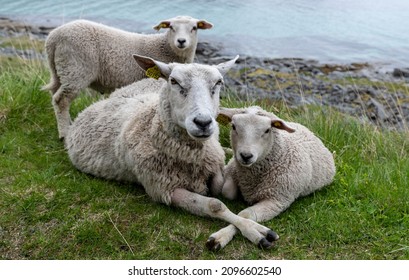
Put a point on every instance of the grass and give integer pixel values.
(22, 42)
(49, 210)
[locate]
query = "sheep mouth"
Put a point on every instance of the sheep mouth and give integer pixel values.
(202, 137)
(245, 164)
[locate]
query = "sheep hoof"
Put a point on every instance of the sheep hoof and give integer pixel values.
(212, 245)
(272, 236)
(265, 244)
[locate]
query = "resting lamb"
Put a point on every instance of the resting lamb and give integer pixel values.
(274, 163)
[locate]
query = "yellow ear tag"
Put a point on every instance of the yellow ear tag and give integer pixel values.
(163, 25)
(153, 72)
(223, 119)
(277, 124)
(200, 24)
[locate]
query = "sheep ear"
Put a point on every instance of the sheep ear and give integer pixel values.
(225, 66)
(202, 24)
(226, 114)
(162, 24)
(279, 124)
(154, 69)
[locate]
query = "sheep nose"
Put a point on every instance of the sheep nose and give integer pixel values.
(246, 156)
(202, 123)
(181, 41)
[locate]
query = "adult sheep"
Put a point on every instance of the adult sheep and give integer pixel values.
(274, 163)
(85, 54)
(167, 142)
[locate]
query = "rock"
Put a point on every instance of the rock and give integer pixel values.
(285, 69)
(380, 113)
(336, 75)
(400, 72)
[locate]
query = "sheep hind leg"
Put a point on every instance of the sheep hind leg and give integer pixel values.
(61, 101)
(263, 211)
(206, 206)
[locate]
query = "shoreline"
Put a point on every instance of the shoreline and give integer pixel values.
(41, 26)
(367, 91)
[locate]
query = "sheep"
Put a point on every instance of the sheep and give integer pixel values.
(85, 54)
(166, 141)
(274, 163)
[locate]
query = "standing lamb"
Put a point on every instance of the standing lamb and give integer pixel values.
(167, 142)
(85, 54)
(274, 163)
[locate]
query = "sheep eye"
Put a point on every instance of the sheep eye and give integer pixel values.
(194, 28)
(267, 131)
(171, 28)
(173, 81)
(233, 127)
(219, 83)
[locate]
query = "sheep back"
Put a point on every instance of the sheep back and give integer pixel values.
(104, 52)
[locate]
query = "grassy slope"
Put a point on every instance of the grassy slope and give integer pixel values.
(49, 210)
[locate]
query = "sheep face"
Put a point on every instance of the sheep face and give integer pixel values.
(253, 132)
(182, 35)
(194, 98)
(251, 138)
(192, 92)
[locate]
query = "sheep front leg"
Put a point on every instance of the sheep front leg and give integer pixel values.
(230, 189)
(217, 182)
(206, 206)
(263, 211)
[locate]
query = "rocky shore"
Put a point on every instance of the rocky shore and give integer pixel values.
(368, 92)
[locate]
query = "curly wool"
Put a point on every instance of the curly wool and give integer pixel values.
(297, 165)
(131, 138)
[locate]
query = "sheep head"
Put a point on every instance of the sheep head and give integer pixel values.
(252, 133)
(192, 92)
(183, 32)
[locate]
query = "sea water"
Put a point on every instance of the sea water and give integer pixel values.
(327, 30)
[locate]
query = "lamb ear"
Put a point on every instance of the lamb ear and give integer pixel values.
(162, 24)
(203, 24)
(279, 124)
(226, 114)
(154, 69)
(225, 66)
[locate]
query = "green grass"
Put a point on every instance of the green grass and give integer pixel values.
(22, 42)
(49, 210)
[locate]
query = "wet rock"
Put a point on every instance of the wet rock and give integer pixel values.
(401, 72)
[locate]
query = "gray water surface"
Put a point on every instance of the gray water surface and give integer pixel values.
(375, 31)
